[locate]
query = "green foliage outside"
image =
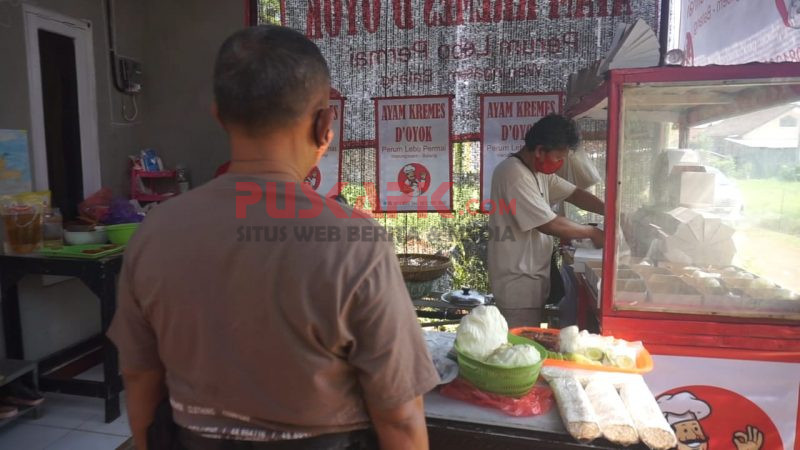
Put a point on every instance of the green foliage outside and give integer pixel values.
(269, 12)
(462, 235)
(772, 203)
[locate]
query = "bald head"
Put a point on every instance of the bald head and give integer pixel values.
(267, 77)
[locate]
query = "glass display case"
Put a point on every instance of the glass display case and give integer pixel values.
(703, 196)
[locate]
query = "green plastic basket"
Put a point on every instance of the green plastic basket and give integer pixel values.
(514, 382)
(121, 233)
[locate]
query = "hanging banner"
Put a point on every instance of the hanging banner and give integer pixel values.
(738, 31)
(382, 48)
(414, 162)
(505, 119)
(722, 403)
(324, 178)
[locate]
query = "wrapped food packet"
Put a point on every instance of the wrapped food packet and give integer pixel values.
(576, 410)
(615, 422)
(653, 429)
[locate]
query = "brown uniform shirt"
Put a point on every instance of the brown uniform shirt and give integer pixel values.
(268, 323)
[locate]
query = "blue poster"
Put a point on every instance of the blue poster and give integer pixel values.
(15, 166)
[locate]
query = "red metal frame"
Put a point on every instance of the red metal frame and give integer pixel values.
(682, 334)
(449, 98)
(481, 99)
(248, 13)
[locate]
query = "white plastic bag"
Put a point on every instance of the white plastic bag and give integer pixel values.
(584, 173)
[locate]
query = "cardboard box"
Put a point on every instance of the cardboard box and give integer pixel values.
(672, 290)
(696, 189)
(631, 291)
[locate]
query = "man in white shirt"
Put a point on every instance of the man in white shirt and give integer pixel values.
(519, 267)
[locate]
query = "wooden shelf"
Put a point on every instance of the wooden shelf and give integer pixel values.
(152, 197)
(159, 174)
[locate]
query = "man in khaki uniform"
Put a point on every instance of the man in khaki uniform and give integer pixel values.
(519, 267)
(270, 316)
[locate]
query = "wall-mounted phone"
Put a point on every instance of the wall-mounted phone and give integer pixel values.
(130, 75)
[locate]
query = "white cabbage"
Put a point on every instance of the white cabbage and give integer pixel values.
(568, 339)
(481, 332)
(514, 356)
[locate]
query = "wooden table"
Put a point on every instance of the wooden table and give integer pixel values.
(99, 275)
(457, 425)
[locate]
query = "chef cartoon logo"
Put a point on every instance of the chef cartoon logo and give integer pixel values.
(313, 178)
(414, 179)
(790, 12)
(712, 418)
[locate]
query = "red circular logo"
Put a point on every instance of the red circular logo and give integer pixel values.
(712, 418)
(414, 179)
(688, 53)
(313, 178)
(790, 12)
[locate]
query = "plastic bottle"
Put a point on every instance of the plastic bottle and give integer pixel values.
(182, 178)
(53, 229)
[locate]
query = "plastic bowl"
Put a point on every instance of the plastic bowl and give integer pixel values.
(121, 233)
(512, 382)
(98, 236)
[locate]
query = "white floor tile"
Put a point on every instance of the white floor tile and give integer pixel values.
(21, 435)
(119, 427)
(66, 411)
(84, 440)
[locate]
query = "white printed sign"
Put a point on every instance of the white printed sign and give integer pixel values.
(725, 403)
(740, 31)
(504, 121)
(324, 177)
(414, 159)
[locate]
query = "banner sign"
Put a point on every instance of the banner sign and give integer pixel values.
(325, 177)
(393, 48)
(414, 161)
(723, 403)
(740, 31)
(505, 119)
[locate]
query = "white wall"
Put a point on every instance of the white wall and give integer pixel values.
(176, 41)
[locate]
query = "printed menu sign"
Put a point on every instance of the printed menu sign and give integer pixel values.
(414, 159)
(504, 121)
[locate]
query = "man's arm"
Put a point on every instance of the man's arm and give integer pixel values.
(566, 229)
(402, 427)
(587, 202)
(145, 390)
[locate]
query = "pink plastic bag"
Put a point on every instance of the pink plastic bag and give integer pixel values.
(96, 207)
(536, 402)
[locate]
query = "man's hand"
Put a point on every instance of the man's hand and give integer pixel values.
(598, 237)
(402, 427)
(145, 389)
(750, 439)
(566, 229)
(587, 201)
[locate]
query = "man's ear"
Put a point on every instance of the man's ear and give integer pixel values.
(322, 128)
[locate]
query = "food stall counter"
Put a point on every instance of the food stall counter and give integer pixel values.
(459, 425)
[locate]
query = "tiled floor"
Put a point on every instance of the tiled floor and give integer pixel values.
(68, 422)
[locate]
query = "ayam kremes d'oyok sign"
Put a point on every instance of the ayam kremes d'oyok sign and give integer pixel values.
(334, 18)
